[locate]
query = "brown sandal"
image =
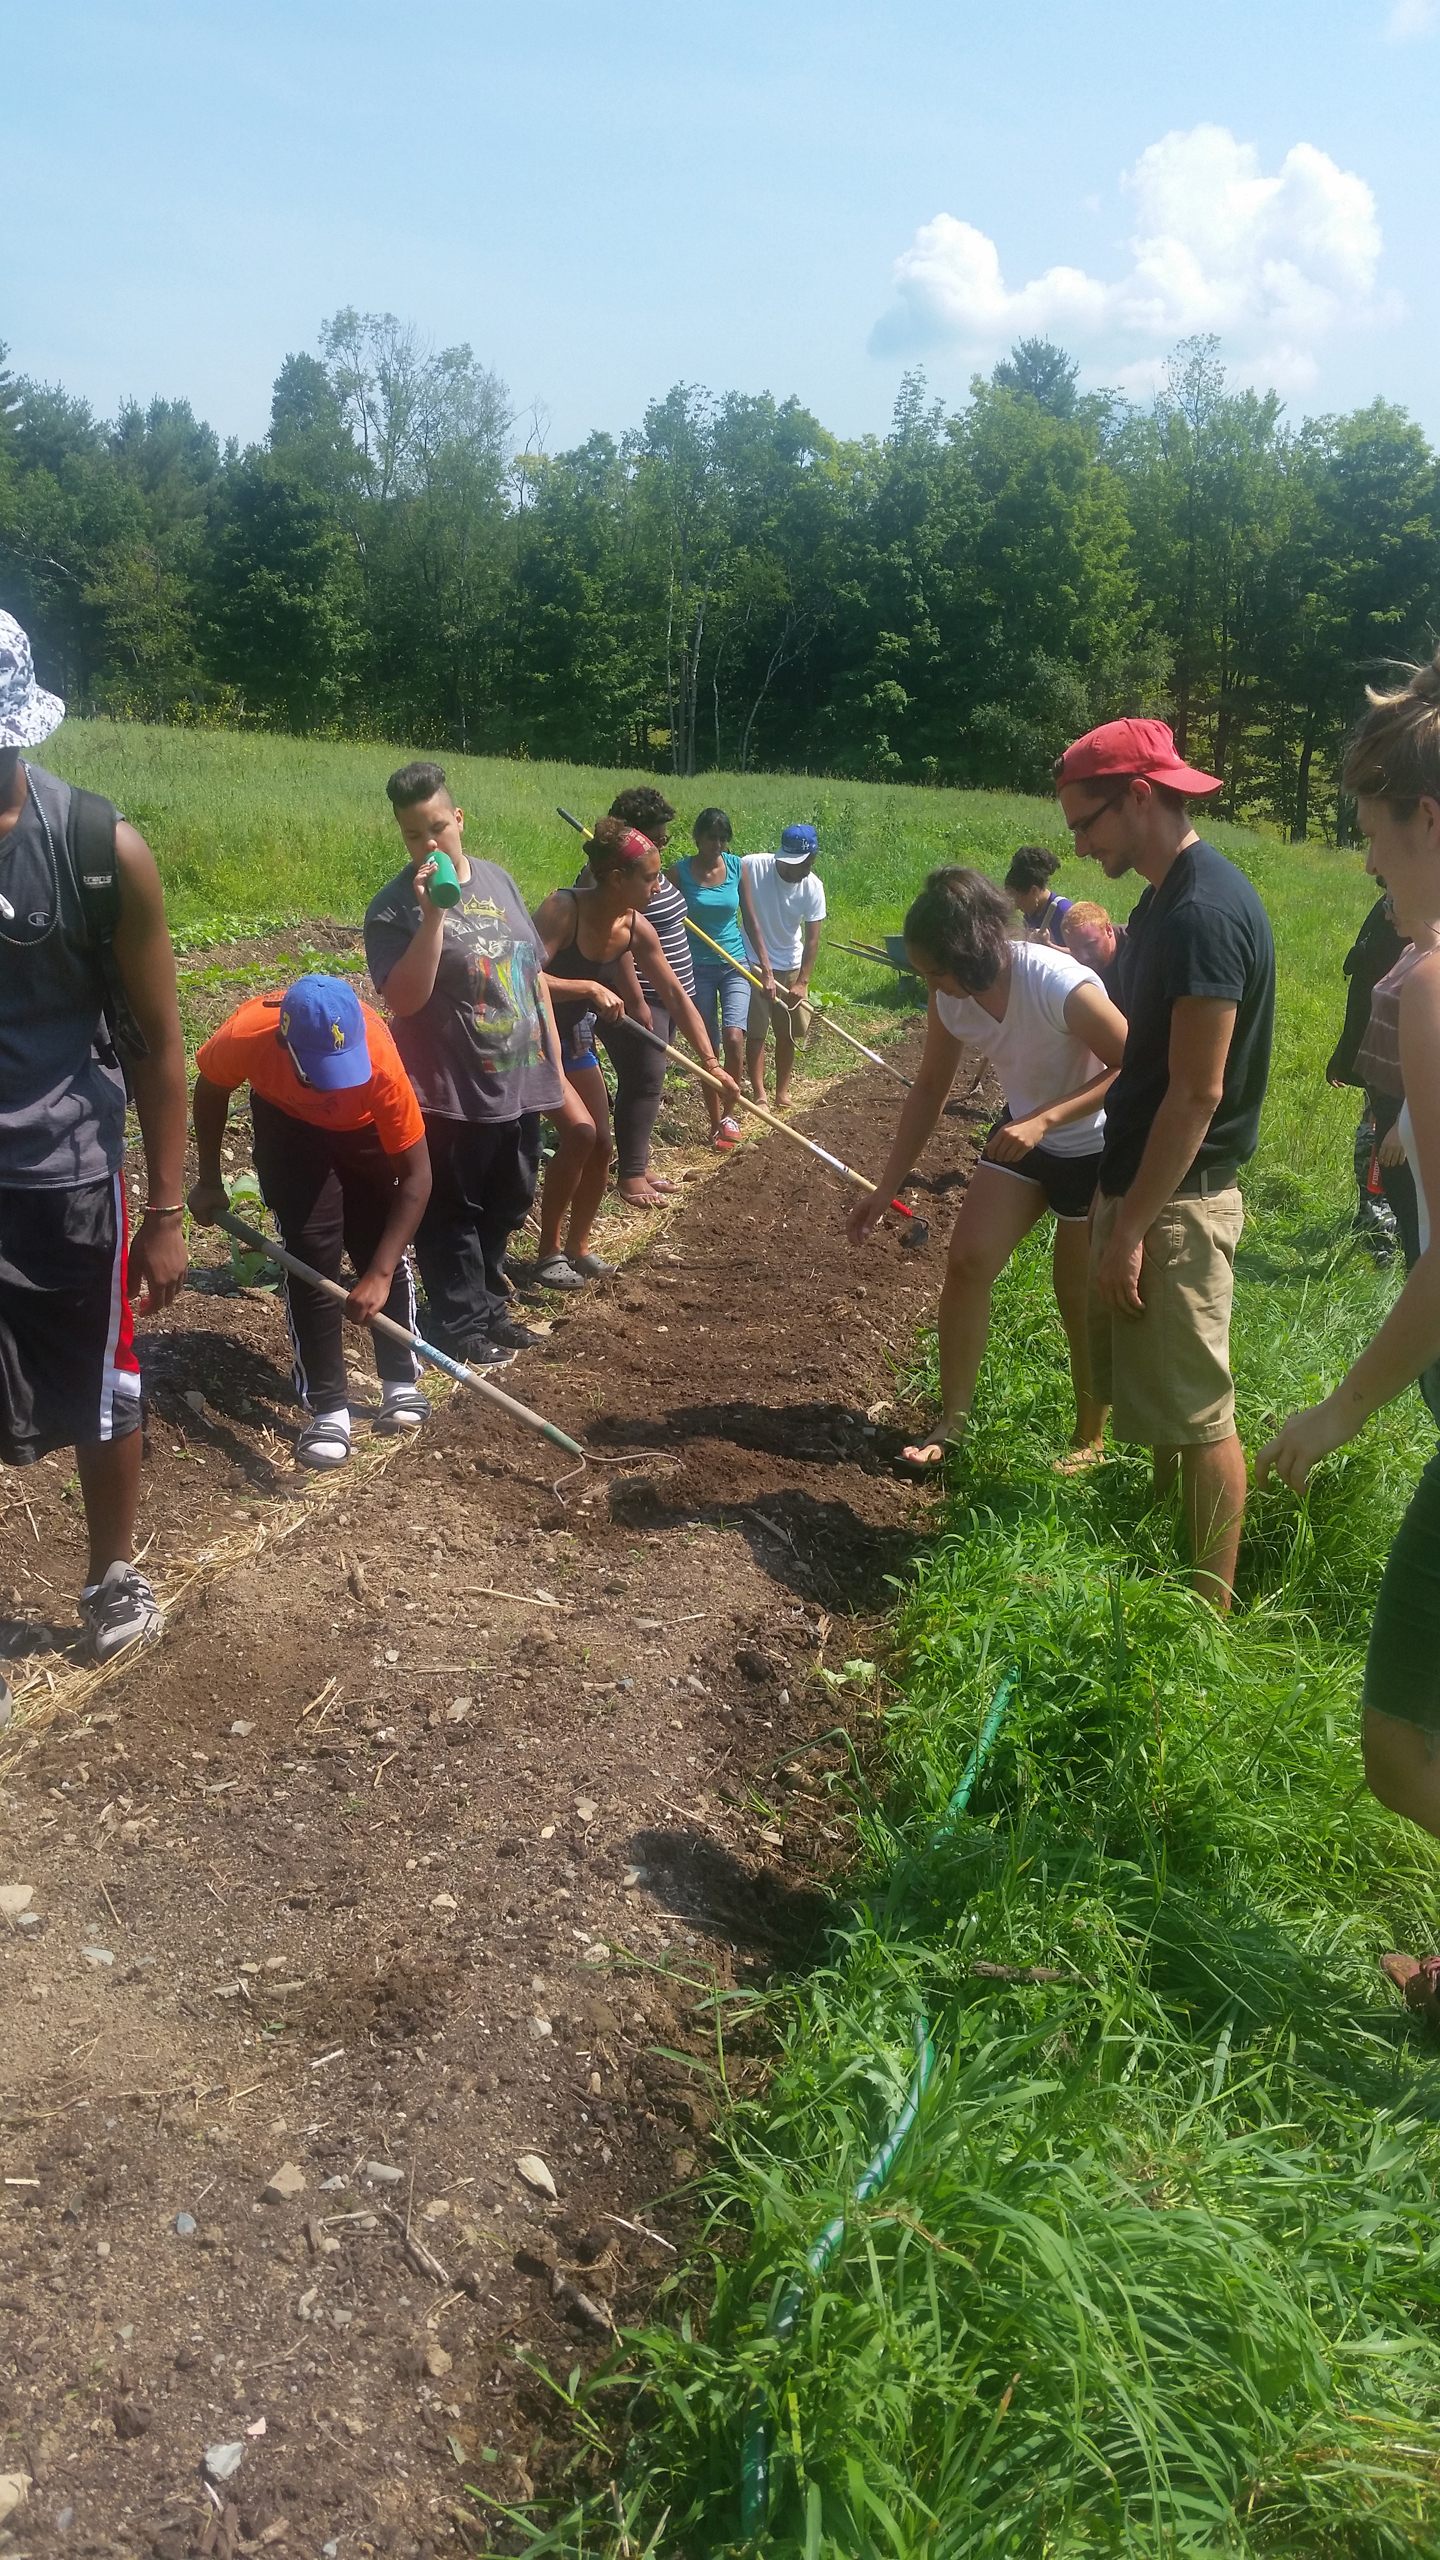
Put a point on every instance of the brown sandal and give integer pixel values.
(1417, 1978)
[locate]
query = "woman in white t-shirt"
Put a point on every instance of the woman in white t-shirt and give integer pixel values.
(1055, 1041)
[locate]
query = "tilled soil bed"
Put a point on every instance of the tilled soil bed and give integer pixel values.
(417, 1847)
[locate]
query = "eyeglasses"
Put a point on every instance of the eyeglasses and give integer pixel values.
(1081, 826)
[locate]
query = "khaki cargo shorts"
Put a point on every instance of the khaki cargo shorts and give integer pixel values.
(1166, 1374)
(799, 1017)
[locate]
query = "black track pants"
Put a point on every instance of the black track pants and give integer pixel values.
(483, 1181)
(331, 1192)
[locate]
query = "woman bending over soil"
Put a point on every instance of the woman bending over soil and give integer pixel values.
(594, 941)
(1055, 1040)
(1393, 767)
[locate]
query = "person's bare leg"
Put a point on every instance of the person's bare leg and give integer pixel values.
(755, 1068)
(1212, 1482)
(997, 1210)
(734, 1040)
(1402, 1768)
(575, 1145)
(589, 1191)
(1069, 1266)
(110, 1487)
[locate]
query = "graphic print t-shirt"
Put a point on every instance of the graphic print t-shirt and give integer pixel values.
(478, 1049)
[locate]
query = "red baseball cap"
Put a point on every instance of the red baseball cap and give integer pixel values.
(1143, 747)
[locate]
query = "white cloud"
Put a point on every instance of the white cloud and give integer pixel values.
(1409, 19)
(1270, 264)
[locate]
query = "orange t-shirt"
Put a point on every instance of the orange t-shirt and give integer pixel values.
(246, 1050)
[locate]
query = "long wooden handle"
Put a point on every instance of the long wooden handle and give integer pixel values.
(812, 1006)
(467, 1377)
(758, 1111)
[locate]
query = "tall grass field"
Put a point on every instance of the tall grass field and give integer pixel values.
(1157, 2271)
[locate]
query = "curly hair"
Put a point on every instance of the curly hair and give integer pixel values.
(642, 807)
(962, 923)
(1394, 753)
(614, 845)
(1032, 867)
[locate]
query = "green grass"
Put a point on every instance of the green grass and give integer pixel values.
(1159, 2271)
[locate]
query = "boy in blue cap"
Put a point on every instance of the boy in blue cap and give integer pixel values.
(341, 1159)
(783, 905)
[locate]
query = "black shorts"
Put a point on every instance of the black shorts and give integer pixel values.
(1402, 1667)
(1068, 1182)
(68, 1371)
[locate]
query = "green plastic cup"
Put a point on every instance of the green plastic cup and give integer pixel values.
(442, 884)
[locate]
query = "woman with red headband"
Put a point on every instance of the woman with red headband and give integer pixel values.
(595, 942)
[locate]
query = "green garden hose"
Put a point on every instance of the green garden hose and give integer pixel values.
(755, 2452)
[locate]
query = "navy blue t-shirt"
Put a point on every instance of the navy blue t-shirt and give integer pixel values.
(1202, 932)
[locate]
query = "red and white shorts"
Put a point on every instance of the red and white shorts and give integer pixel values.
(68, 1371)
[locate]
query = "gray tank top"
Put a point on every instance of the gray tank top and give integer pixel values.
(62, 1113)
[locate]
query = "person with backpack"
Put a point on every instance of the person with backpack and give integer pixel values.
(87, 981)
(343, 1166)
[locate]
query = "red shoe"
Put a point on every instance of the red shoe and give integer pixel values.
(727, 1135)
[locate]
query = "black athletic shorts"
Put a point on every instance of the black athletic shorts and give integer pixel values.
(68, 1371)
(1068, 1182)
(1402, 1667)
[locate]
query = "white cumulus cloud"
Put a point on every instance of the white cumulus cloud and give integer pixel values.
(1272, 265)
(1411, 18)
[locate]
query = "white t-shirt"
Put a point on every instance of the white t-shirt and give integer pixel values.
(783, 908)
(1032, 1049)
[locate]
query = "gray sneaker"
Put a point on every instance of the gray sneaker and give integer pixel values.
(118, 1610)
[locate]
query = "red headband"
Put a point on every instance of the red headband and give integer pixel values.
(633, 847)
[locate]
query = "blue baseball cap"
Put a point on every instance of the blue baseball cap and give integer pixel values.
(322, 1025)
(799, 844)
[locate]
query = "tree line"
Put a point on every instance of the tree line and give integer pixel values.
(731, 586)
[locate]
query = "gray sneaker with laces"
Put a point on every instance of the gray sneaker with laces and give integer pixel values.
(119, 1609)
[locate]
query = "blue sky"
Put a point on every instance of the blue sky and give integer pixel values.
(791, 197)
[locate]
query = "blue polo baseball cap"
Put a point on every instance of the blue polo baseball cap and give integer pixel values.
(322, 1024)
(799, 844)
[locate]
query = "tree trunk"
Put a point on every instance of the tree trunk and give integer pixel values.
(1300, 822)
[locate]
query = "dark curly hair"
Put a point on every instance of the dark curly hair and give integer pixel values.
(643, 807)
(1032, 867)
(962, 923)
(614, 845)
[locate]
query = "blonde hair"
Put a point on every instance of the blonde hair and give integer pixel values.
(1084, 911)
(1394, 754)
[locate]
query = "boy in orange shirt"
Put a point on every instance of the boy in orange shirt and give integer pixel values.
(341, 1159)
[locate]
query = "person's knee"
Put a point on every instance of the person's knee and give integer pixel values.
(1399, 1759)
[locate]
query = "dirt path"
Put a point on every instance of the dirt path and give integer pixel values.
(400, 1858)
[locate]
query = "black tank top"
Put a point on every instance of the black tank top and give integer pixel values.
(571, 962)
(62, 1111)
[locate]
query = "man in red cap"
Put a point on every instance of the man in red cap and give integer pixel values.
(1180, 1119)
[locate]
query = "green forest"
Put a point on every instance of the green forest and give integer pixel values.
(730, 586)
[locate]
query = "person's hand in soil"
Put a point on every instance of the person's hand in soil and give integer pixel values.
(208, 1203)
(157, 1263)
(864, 1218)
(369, 1294)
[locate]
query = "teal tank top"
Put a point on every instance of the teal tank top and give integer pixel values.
(716, 910)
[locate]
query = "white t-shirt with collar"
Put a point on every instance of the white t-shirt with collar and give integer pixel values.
(1032, 1048)
(783, 908)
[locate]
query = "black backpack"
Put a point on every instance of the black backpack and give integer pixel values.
(90, 840)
